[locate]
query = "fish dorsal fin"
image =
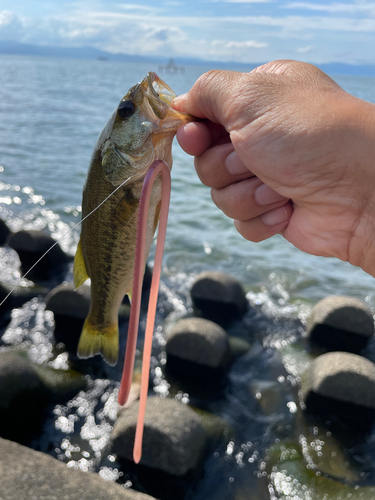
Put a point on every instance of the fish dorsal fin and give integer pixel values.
(80, 274)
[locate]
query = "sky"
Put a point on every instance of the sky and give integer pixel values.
(244, 31)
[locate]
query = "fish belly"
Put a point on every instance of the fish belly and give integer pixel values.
(108, 244)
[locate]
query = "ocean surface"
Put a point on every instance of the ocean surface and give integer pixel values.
(52, 111)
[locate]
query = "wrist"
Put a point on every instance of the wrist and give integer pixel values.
(361, 250)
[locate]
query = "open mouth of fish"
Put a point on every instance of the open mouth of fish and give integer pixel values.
(159, 94)
(164, 120)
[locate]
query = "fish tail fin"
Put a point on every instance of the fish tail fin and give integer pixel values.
(94, 341)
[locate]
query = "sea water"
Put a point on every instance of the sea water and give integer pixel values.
(52, 111)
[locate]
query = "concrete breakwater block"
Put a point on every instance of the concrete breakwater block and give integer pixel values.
(218, 296)
(27, 389)
(343, 384)
(23, 397)
(30, 246)
(4, 232)
(199, 340)
(70, 308)
(62, 385)
(26, 474)
(340, 323)
(18, 296)
(174, 439)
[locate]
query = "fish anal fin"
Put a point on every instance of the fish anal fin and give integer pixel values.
(94, 341)
(80, 274)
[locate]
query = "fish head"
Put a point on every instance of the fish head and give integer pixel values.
(140, 131)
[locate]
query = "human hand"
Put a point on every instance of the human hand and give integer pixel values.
(286, 150)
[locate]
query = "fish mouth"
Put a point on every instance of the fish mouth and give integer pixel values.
(160, 97)
(157, 99)
(158, 93)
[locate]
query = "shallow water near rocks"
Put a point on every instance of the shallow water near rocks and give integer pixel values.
(269, 450)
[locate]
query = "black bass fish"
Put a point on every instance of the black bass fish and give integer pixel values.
(139, 132)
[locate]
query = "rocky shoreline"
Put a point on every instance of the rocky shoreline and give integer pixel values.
(338, 383)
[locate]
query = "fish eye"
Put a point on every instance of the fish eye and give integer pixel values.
(126, 109)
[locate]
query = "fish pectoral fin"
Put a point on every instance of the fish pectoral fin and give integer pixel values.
(126, 207)
(80, 274)
(94, 341)
(157, 216)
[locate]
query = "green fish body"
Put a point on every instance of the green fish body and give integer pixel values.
(139, 132)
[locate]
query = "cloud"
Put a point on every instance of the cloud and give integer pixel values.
(158, 35)
(301, 24)
(211, 24)
(242, 1)
(10, 25)
(6, 17)
(139, 29)
(229, 50)
(308, 48)
(333, 7)
(238, 45)
(131, 6)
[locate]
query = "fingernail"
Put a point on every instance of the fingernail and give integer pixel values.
(274, 217)
(264, 195)
(234, 165)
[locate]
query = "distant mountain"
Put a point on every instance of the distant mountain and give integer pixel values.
(348, 69)
(15, 48)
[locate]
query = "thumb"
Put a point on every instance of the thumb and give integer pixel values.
(211, 96)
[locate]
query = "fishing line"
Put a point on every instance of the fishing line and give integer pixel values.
(63, 236)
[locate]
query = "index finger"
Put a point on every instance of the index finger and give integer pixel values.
(196, 137)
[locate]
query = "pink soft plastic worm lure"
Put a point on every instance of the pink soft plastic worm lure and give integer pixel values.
(139, 264)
